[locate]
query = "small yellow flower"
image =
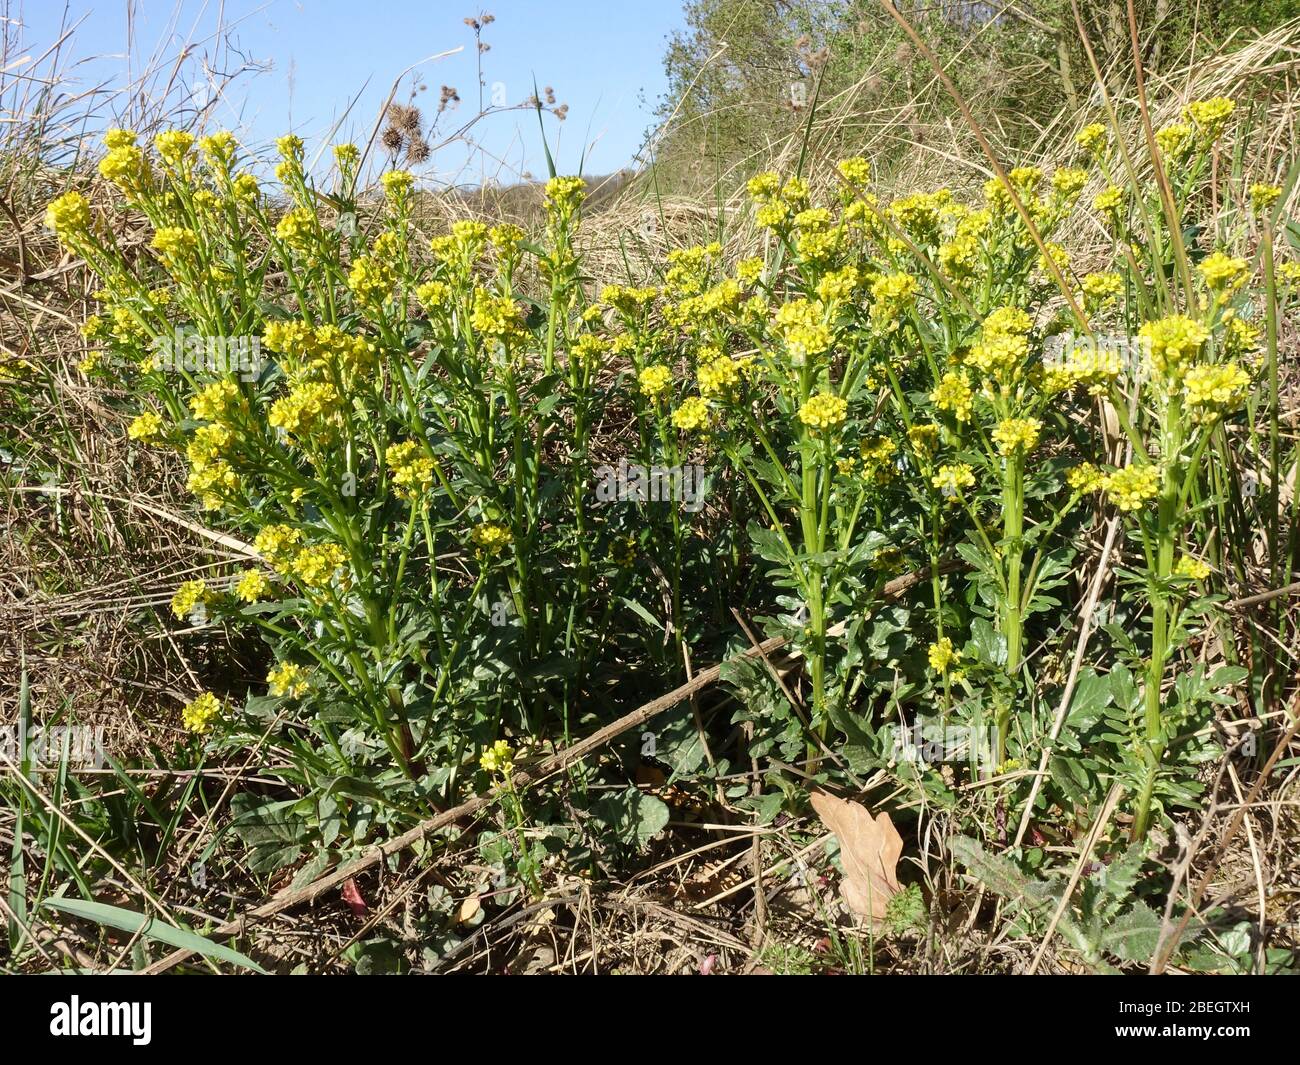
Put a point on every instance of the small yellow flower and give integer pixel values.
(147, 428)
(942, 655)
(1214, 390)
(692, 415)
(1173, 342)
(219, 148)
(287, 679)
(126, 167)
(1263, 196)
(763, 187)
(1191, 568)
(1085, 478)
(316, 566)
(1130, 486)
(891, 295)
(1093, 366)
(1092, 137)
(654, 381)
(824, 411)
(1211, 115)
(119, 138)
(490, 538)
(251, 586)
(951, 479)
(188, 596)
(412, 469)
(174, 244)
(397, 185)
(564, 195)
(718, 377)
(173, 146)
(924, 438)
(1068, 181)
(296, 228)
(1174, 139)
(1102, 289)
(68, 216)
(1017, 435)
(199, 714)
(308, 408)
(347, 156)
(1109, 201)
(953, 393)
(498, 759)
(278, 544)
(1222, 272)
(856, 170)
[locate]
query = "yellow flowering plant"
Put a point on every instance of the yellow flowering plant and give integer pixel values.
(402, 441)
(1191, 360)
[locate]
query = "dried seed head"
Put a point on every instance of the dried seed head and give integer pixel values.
(406, 118)
(417, 151)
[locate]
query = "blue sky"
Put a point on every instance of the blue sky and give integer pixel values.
(313, 58)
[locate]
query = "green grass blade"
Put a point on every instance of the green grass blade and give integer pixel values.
(130, 921)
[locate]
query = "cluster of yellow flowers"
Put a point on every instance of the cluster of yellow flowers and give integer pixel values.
(720, 376)
(1172, 343)
(412, 469)
(146, 427)
(891, 296)
(317, 565)
(287, 679)
(1017, 435)
(823, 411)
(498, 759)
(1003, 345)
(1130, 486)
(490, 538)
(1211, 391)
(1093, 365)
(1193, 569)
(1223, 273)
(68, 216)
(189, 595)
(942, 655)
(802, 325)
(953, 393)
(654, 381)
(278, 544)
(373, 277)
(875, 462)
(199, 714)
(251, 586)
(950, 479)
(693, 415)
(308, 410)
(1085, 478)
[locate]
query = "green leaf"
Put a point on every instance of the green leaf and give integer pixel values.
(988, 645)
(130, 921)
(1091, 695)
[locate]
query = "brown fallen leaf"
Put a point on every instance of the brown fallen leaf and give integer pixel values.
(869, 851)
